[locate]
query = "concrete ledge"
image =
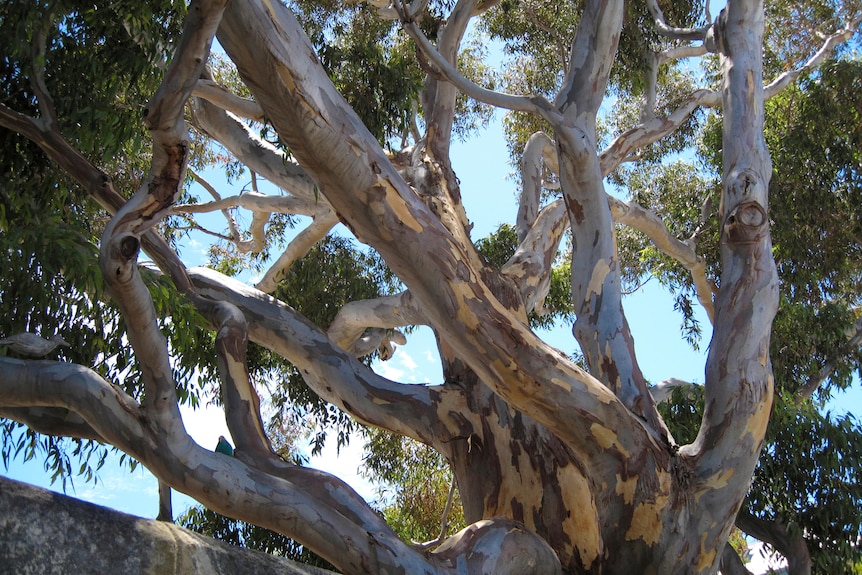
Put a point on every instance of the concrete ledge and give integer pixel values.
(42, 532)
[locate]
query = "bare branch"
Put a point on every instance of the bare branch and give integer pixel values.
(297, 248)
(650, 224)
(220, 96)
(854, 340)
(331, 372)
(533, 104)
(670, 31)
(314, 508)
(829, 45)
(386, 312)
(654, 129)
(259, 219)
(260, 156)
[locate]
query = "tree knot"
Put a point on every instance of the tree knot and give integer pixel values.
(746, 223)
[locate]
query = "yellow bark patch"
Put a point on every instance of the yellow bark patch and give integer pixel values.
(583, 516)
(707, 558)
(401, 209)
(756, 425)
(646, 522)
(626, 487)
(607, 438)
(560, 383)
(720, 480)
(600, 272)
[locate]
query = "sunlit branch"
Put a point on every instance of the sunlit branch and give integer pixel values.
(654, 129)
(216, 94)
(538, 152)
(333, 373)
(649, 223)
(670, 31)
(531, 264)
(256, 243)
(387, 312)
(831, 42)
(121, 242)
(297, 248)
(260, 156)
(534, 104)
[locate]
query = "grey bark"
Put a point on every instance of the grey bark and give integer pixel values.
(44, 533)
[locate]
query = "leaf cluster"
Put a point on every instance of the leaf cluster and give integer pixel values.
(414, 482)
(248, 536)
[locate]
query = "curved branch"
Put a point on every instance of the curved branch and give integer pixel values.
(530, 266)
(331, 372)
(539, 149)
(670, 31)
(258, 221)
(654, 129)
(369, 194)
(831, 42)
(649, 223)
(386, 312)
(316, 509)
(296, 249)
(533, 104)
(37, 80)
(220, 96)
(790, 544)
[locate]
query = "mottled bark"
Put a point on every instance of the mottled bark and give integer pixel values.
(537, 444)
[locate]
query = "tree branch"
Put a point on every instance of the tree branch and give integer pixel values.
(853, 342)
(220, 96)
(829, 45)
(649, 223)
(296, 249)
(670, 31)
(386, 312)
(316, 509)
(775, 533)
(533, 104)
(370, 195)
(259, 155)
(592, 52)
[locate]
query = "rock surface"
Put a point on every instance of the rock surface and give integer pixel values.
(42, 532)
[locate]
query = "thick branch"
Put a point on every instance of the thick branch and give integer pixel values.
(385, 312)
(213, 92)
(299, 506)
(791, 545)
(739, 386)
(259, 155)
(373, 199)
(121, 238)
(590, 61)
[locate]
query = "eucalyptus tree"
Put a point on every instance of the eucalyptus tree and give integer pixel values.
(350, 111)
